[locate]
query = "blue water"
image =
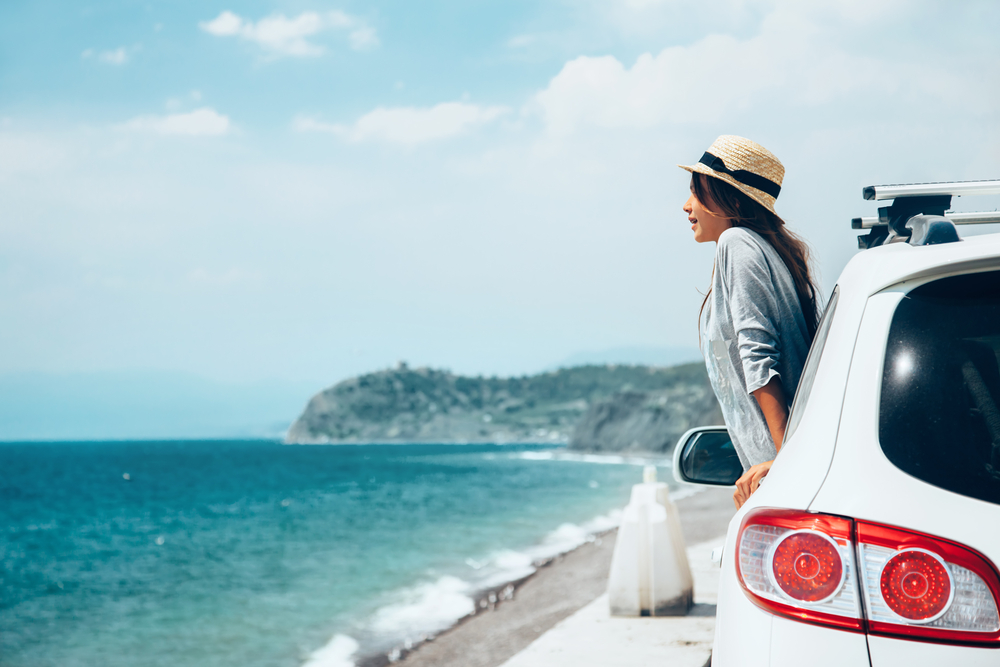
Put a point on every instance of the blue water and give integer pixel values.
(255, 553)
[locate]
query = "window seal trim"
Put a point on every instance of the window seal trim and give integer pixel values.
(796, 409)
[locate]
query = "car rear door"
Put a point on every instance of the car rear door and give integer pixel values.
(918, 449)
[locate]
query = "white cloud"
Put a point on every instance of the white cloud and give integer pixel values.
(680, 84)
(118, 56)
(363, 38)
(409, 125)
(25, 153)
(794, 60)
(224, 24)
(281, 35)
(204, 122)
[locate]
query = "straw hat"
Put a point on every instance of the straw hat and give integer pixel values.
(745, 165)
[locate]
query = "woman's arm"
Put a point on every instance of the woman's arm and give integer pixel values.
(771, 399)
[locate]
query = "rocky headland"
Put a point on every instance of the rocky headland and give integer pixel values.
(592, 408)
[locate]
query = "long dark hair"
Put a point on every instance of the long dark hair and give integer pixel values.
(726, 201)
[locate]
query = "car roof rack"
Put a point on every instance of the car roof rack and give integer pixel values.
(918, 212)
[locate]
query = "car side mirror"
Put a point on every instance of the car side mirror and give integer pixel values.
(706, 455)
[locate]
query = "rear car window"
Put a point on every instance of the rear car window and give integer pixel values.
(939, 413)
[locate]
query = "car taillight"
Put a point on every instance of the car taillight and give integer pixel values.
(916, 585)
(925, 587)
(806, 565)
(801, 565)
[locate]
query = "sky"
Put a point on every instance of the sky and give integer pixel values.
(289, 193)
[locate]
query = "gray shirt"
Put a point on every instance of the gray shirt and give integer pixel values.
(752, 330)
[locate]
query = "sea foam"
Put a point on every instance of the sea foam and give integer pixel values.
(425, 609)
(337, 653)
(606, 459)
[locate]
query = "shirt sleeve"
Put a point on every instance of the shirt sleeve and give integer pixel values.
(753, 306)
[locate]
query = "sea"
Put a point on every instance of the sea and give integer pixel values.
(226, 553)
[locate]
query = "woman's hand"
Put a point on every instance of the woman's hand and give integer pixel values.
(748, 483)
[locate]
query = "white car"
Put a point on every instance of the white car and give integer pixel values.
(875, 538)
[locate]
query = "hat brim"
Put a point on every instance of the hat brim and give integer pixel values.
(762, 198)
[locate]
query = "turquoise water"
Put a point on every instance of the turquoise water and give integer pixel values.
(256, 553)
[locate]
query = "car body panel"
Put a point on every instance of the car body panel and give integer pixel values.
(805, 456)
(885, 266)
(892, 652)
(794, 644)
(742, 629)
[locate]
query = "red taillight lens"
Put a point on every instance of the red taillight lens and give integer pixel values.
(924, 587)
(799, 565)
(807, 566)
(916, 585)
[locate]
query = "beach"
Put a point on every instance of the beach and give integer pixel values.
(558, 589)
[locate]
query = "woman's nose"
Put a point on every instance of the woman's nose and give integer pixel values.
(687, 208)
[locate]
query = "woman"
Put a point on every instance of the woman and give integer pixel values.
(760, 315)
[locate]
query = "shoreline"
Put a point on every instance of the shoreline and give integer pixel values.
(555, 444)
(519, 611)
(486, 600)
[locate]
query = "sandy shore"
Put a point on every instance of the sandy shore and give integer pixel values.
(555, 591)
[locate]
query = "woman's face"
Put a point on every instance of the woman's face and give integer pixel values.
(706, 225)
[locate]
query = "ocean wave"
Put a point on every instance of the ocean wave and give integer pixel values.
(606, 459)
(534, 456)
(510, 565)
(425, 609)
(338, 652)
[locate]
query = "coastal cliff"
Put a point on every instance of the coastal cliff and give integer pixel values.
(636, 421)
(594, 408)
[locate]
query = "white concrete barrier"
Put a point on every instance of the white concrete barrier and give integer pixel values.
(650, 575)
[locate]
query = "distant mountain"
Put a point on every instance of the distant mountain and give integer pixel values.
(633, 356)
(591, 407)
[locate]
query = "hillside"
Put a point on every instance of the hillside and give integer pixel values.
(608, 408)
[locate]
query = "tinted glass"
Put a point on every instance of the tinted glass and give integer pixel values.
(812, 363)
(711, 458)
(939, 418)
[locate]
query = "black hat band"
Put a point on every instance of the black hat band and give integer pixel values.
(745, 177)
